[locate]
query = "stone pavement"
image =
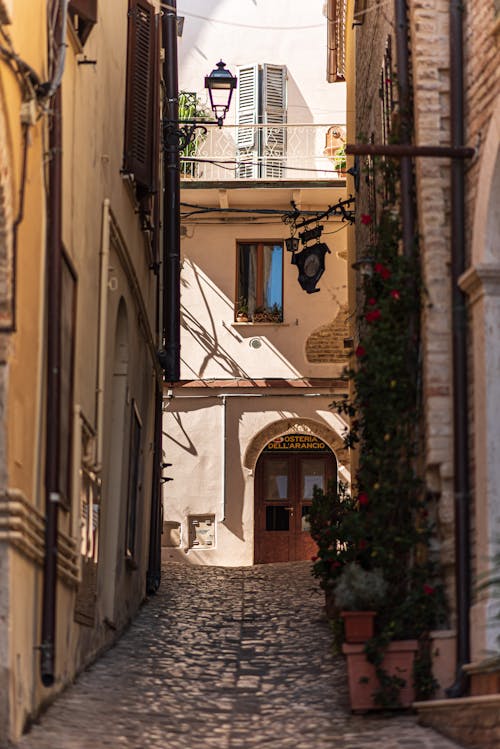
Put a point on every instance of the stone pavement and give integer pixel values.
(223, 659)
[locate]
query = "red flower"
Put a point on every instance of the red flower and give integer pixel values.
(362, 544)
(360, 351)
(384, 272)
(373, 315)
(366, 219)
(429, 590)
(363, 498)
(395, 294)
(372, 301)
(314, 559)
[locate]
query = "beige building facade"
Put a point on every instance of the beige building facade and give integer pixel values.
(249, 429)
(103, 334)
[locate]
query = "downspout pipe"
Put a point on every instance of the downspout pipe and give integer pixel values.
(406, 202)
(223, 458)
(153, 575)
(101, 345)
(52, 496)
(459, 334)
(171, 206)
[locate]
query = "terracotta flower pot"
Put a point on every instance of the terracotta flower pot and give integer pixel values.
(363, 682)
(358, 625)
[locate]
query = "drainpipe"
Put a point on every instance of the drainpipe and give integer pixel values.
(53, 291)
(171, 205)
(406, 201)
(153, 575)
(52, 497)
(223, 458)
(459, 328)
(103, 315)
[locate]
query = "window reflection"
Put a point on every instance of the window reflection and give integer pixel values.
(276, 479)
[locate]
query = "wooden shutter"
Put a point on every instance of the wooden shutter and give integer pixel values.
(142, 77)
(274, 113)
(247, 138)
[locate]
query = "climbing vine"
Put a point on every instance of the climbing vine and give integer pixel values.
(384, 521)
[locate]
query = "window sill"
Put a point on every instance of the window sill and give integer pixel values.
(265, 324)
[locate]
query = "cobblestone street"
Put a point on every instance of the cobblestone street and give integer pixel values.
(225, 659)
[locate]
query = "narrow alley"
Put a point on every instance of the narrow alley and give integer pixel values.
(226, 659)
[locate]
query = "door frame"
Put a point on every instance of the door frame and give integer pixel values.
(294, 500)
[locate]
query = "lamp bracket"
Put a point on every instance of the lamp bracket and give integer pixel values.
(181, 133)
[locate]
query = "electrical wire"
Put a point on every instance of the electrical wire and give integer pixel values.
(247, 25)
(269, 159)
(59, 64)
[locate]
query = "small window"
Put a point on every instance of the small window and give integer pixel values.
(260, 282)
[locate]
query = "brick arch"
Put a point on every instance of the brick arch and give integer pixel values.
(325, 345)
(292, 426)
(6, 220)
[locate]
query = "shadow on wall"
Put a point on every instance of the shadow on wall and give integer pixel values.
(297, 109)
(187, 444)
(213, 322)
(210, 344)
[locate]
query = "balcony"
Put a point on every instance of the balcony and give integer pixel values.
(265, 153)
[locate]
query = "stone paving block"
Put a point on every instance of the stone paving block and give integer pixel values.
(252, 668)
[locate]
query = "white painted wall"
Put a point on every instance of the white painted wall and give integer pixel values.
(193, 428)
(281, 32)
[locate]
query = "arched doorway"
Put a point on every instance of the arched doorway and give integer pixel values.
(288, 469)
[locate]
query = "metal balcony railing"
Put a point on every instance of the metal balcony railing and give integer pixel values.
(265, 152)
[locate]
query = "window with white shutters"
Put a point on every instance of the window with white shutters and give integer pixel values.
(248, 137)
(261, 102)
(274, 114)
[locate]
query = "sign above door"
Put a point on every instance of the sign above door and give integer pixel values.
(296, 443)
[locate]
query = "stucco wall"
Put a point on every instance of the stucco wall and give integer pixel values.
(213, 346)
(194, 430)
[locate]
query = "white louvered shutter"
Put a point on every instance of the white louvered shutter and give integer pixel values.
(274, 114)
(247, 137)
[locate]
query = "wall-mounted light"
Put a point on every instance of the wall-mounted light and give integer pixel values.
(220, 84)
(365, 266)
(292, 244)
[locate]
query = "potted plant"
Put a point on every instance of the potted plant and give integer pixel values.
(359, 593)
(242, 310)
(268, 314)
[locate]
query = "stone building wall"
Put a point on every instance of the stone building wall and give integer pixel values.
(429, 60)
(429, 26)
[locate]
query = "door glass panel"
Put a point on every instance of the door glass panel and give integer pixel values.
(305, 525)
(313, 474)
(277, 518)
(275, 479)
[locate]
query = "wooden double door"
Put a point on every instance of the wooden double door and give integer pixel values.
(284, 485)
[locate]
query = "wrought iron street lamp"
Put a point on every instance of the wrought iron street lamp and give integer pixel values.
(220, 84)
